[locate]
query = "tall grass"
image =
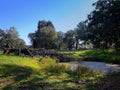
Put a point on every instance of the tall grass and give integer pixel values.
(57, 68)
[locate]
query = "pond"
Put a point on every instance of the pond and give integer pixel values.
(99, 66)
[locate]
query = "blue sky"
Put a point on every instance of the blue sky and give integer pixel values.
(25, 14)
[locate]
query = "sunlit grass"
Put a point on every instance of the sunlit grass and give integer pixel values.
(109, 56)
(22, 61)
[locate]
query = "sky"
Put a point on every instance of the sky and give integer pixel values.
(25, 14)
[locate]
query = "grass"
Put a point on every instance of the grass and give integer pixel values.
(109, 56)
(22, 61)
(108, 82)
(24, 73)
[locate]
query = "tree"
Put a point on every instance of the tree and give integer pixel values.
(70, 39)
(11, 38)
(32, 37)
(45, 36)
(104, 24)
(2, 38)
(60, 37)
(80, 33)
(21, 43)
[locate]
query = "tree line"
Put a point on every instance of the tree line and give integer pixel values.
(101, 30)
(46, 36)
(10, 38)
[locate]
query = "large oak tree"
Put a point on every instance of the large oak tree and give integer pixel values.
(104, 24)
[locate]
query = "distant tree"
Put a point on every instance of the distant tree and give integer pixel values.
(33, 41)
(2, 38)
(104, 24)
(70, 39)
(21, 43)
(45, 36)
(60, 37)
(80, 33)
(11, 38)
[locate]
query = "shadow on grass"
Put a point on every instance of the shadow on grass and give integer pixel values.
(18, 78)
(25, 78)
(22, 78)
(108, 82)
(19, 72)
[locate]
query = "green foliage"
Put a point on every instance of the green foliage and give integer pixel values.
(80, 33)
(45, 36)
(2, 38)
(70, 39)
(103, 24)
(11, 38)
(60, 37)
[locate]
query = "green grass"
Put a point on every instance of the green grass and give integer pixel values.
(19, 73)
(109, 56)
(24, 73)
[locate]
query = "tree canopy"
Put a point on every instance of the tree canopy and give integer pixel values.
(45, 36)
(11, 38)
(104, 24)
(70, 39)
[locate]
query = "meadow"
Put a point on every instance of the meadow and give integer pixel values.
(25, 73)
